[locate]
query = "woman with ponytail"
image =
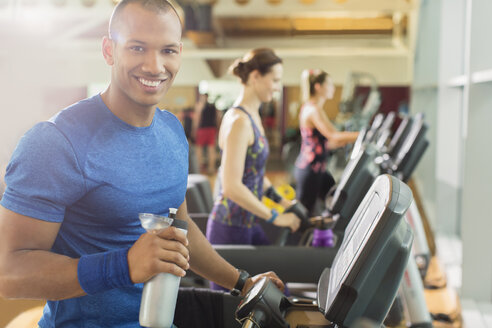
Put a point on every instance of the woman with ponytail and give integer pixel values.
(319, 136)
(244, 150)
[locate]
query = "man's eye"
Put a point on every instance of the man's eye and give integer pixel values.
(170, 51)
(137, 48)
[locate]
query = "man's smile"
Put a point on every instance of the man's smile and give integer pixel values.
(150, 83)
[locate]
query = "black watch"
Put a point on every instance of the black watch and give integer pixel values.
(241, 281)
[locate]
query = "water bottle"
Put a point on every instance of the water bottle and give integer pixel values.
(323, 238)
(323, 234)
(160, 293)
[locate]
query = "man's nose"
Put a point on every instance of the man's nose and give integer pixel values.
(153, 63)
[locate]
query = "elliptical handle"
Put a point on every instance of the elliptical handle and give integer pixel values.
(302, 213)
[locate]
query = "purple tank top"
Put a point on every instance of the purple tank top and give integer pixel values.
(225, 210)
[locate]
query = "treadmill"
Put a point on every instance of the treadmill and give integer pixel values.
(410, 153)
(356, 180)
(365, 166)
(400, 134)
(363, 279)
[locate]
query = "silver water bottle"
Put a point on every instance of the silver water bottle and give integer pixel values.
(160, 293)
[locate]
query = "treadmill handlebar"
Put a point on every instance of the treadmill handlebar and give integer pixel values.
(323, 222)
(302, 213)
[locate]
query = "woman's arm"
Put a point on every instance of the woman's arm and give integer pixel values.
(236, 136)
(320, 120)
(285, 203)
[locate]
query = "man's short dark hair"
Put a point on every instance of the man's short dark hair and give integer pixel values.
(152, 5)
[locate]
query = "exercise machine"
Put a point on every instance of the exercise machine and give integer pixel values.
(363, 278)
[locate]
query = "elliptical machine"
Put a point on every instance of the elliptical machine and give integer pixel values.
(363, 279)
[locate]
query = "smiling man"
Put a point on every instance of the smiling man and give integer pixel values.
(69, 228)
(144, 50)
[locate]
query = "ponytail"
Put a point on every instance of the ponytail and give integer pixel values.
(309, 78)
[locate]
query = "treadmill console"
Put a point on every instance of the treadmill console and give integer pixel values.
(411, 151)
(399, 136)
(366, 271)
(356, 179)
(264, 305)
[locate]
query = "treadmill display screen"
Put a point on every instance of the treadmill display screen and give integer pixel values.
(355, 241)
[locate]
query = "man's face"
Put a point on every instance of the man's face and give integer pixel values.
(146, 54)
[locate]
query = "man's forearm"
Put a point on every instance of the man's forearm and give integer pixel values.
(38, 274)
(206, 262)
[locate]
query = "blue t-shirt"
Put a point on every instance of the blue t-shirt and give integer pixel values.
(94, 173)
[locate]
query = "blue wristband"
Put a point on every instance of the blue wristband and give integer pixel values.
(273, 217)
(104, 271)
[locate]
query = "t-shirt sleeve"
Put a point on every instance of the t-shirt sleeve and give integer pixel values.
(43, 177)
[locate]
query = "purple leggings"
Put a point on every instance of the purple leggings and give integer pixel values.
(223, 234)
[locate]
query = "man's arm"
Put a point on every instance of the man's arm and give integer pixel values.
(206, 262)
(28, 269)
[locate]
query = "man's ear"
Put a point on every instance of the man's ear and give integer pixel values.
(107, 49)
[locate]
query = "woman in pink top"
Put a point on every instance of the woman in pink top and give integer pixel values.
(319, 136)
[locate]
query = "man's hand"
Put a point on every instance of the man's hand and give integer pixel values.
(158, 251)
(253, 280)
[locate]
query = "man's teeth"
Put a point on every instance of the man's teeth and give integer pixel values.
(149, 83)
